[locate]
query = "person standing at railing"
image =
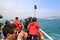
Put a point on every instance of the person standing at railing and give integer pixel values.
(33, 28)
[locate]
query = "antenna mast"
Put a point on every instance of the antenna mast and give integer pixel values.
(35, 7)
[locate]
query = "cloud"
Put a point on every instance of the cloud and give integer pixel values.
(13, 8)
(42, 12)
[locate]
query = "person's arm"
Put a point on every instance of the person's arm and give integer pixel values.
(20, 36)
(28, 26)
(37, 25)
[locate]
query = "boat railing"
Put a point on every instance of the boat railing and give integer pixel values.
(46, 34)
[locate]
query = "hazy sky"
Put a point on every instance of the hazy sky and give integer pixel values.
(25, 8)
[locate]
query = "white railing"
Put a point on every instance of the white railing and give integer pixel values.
(46, 34)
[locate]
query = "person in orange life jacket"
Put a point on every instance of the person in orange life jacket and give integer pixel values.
(19, 26)
(17, 23)
(33, 27)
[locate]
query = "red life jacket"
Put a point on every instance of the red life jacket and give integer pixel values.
(32, 27)
(17, 23)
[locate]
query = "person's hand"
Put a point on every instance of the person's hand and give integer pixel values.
(25, 34)
(20, 36)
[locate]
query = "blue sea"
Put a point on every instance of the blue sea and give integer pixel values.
(50, 26)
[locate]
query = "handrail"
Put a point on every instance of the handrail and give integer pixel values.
(46, 34)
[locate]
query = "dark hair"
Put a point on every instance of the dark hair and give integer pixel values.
(30, 19)
(34, 19)
(0, 24)
(16, 18)
(8, 29)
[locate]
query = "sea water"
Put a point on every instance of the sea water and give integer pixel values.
(51, 27)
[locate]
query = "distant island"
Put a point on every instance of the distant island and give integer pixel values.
(52, 17)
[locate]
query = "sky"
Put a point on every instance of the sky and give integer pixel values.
(25, 8)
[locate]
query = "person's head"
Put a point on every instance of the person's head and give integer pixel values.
(34, 19)
(30, 19)
(16, 18)
(10, 31)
